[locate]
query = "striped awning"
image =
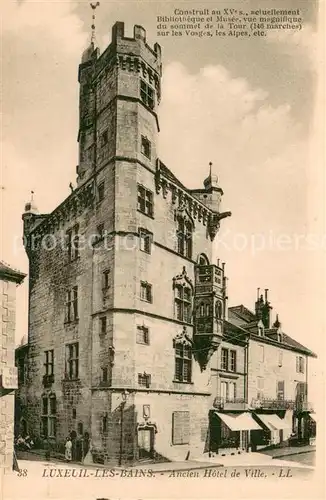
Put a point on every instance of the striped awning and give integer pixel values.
(239, 422)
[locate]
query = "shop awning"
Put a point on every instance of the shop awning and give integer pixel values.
(240, 422)
(274, 422)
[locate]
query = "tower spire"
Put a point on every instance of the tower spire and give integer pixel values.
(93, 7)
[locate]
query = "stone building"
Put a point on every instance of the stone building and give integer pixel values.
(126, 308)
(130, 347)
(9, 279)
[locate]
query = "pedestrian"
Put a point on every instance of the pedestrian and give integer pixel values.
(68, 447)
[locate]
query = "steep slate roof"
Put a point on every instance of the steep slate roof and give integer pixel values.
(242, 317)
(169, 175)
(10, 274)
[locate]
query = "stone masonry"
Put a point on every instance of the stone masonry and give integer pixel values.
(9, 279)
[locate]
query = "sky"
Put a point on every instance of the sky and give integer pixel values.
(246, 105)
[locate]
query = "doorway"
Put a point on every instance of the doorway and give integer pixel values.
(146, 442)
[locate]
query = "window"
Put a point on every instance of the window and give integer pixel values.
(74, 413)
(205, 274)
(261, 353)
(105, 423)
(142, 335)
(180, 427)
(280, 390)
(80, 428)
(232, 391)
(145, 240)
(183, 304)
(145, 147)
(49, 411)
(233, 361)
(100, 192)
(280, 358)
(146, 291)
(100, 231)
(300, 364)
(260, 388)
(147, 94)
(104, 374)
(184, 237)
(224, 359)
(72, 304)
(144, 379)
(72, 361)
(224, 390)
(105, 279)
(183, 363)
(72, 237)
(48, 364)
(145, 201)
(103, 324)
(104, 138)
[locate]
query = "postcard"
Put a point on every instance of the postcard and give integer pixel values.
(162, 249)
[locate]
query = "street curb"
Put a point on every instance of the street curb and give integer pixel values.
(294, 453)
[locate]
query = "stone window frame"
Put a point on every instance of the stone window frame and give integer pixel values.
(49, 415)
(71, 305)
(144, 379)
(233, 362)
(183, 351)
(145, 240)
(145, 201)
(146, 292)
(142, 335)
(184, 233)
(72, 239)
(225, 359)
(49, 362)
(72, 361)
(147, 94)
(146, 147)
(183, 303)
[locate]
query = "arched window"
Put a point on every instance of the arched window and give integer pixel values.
(203, 260)
(183, 303)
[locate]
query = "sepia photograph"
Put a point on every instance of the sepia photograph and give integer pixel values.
(162, 249)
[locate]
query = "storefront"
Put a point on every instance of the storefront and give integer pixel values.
(232, 433)
(275, 427)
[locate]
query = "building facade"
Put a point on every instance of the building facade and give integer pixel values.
(9, 280)
(126, 316)
(131, 348)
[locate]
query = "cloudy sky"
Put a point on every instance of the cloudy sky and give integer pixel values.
(246, 105)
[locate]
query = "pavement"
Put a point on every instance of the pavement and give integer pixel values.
(289, 451)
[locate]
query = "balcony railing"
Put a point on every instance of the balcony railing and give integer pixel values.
(281, 404)
(221, 403)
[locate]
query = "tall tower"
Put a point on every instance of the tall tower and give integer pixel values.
(119, 95)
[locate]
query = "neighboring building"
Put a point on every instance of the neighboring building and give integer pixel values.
(9, 279)
(123, 332)
(277, 380)
(21, 360)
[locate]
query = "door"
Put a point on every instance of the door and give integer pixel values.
(145, 443)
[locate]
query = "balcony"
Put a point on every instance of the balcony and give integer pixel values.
(226, 404)
(281, 404)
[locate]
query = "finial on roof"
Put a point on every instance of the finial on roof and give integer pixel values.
(277, 322)
(30, 206)
(93, 7)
